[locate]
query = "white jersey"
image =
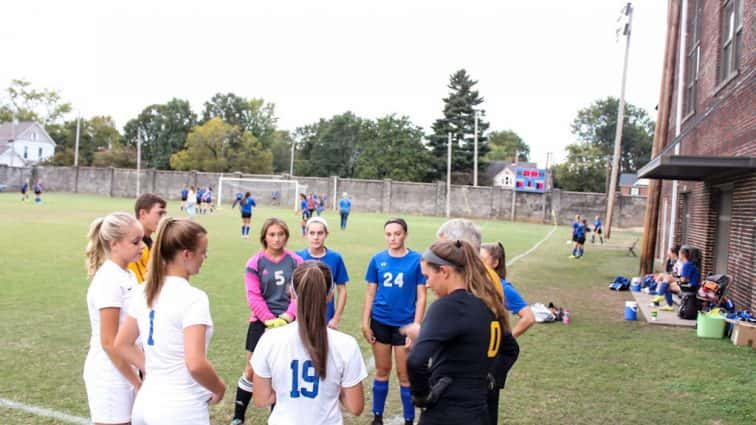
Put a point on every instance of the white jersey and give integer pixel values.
(114, 287)
(161, 330)
(300, 392)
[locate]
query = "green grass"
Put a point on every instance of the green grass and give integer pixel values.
(598, 369)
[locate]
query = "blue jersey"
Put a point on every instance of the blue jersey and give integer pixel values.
(200, 193)
(580, 230)
(207, 196)
(575, 226)
(335, 263)
(303, 205)
(690, 272)
(239, 196)
(597, 224)
(513, 301)
(397, 279)
(345, 205)
(246, 205)
(184, 194)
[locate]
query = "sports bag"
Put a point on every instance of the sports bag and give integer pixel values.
(688, 307)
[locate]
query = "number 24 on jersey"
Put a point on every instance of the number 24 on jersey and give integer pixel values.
(389, 280)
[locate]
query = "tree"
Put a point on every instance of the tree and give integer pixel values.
(281, 150)
(252, 115)
(95, 134)
(24, 103)
(119, 156)
(584, 170)
(597, 125)
(331, 147)
(163, 130)
(504, 145)
(221, 147)
(394, 150)
(459, 119)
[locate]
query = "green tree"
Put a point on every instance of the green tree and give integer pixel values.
(504, 145)
(25, 103)
(583, 171)
(221, 147)
(119, 156)
(597, 125)
(95, 135)
(459, 119)
(394, 149)
(252, 115)
(281, 150)
(163, 130)
(331, 147)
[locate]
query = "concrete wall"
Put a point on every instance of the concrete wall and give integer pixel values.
(382, 196)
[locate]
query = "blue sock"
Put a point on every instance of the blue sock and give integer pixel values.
(663, 289)
(246, 231)
(407, 406)
(574, 252)
(243, 230)
(581, 251)
(380, 392)
(668, 297)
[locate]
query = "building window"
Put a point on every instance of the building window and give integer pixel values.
(693, 56)
(39, 153)
(33, 136)
(26, 152)
(507, 181)
(634, 191)
(732, 31)
(722, 241)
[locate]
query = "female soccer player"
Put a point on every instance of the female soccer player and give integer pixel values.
(114, 242)
(245, 206)
(345, 206)
(267, 280)
(173, 320)
(38, 192)
(24, 189)
(395, 297)
(306, 368)
(191, 203)
(462, 334)
(316, 231)
(598, 229)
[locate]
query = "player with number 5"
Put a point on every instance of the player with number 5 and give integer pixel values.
(395, 297)
(267, 279)
(305, 368)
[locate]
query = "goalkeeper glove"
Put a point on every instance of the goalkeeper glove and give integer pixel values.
(435, 393)
(274, 323)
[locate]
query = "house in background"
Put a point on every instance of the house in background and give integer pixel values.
(24, 143)
(631, 185)
(504, 173)
(707, 164)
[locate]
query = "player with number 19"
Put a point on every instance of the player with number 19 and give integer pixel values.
(395, 297)
(267, 279)
(305, 368)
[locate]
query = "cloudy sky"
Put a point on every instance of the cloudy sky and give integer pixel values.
(537, 62)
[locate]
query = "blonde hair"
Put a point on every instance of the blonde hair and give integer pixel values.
(104, 230)
(173, 236)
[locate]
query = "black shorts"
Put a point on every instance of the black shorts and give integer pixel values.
(254, 333)
(183, 199)
(386, 334)
(581, 240)
(574, 238)
(246, 215)
(598, 231)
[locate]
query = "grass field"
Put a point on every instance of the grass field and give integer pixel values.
(598, 369)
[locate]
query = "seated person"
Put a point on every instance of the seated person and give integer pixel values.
(689, 275)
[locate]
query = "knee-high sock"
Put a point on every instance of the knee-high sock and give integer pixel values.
(668, 297)
(244, 229)
(380, 392)
(407, 406)
(243, 396)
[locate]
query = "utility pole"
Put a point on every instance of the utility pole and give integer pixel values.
(627, 11)
(76, 148)
(448, 175)
(139, 160)
(291, 162)
(475, 151)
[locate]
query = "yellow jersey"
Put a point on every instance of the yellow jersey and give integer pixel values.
(139, 267)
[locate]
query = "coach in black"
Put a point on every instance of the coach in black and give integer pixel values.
(452, 353)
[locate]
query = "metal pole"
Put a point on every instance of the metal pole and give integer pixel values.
(76, 148)
(139, 160)
(448, 175)
(291, 163)
(618, 134)
(475, 152)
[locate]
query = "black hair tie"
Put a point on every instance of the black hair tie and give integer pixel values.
(458, 243)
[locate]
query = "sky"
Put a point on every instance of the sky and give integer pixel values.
(536, 62)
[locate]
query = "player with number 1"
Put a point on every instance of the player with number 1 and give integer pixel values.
(395, 297)
(267, 279)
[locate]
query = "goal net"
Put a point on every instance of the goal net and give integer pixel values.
(264, 191)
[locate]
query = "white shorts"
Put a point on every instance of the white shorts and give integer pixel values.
(151, 410)
(109, 403)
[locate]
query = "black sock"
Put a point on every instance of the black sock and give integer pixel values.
(243, 397)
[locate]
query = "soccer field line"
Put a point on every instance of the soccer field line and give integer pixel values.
(41, 411)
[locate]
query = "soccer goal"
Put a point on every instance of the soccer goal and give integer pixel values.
(264, 191)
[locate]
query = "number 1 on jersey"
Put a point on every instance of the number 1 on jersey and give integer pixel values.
(151, 341)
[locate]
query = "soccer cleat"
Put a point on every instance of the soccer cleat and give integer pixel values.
(377, 420)
(667, 308)
(571, 256)
(657, 299)
(237, 422)
(409, 422)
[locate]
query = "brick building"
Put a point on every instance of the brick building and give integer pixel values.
(708, 165)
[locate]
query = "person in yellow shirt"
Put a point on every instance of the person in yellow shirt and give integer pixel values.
(148, 209)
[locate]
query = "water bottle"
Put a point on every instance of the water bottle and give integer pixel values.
(566, 316)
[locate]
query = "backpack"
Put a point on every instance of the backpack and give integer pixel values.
(620, 283)
(688, 307)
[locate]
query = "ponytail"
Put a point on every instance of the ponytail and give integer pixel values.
(312, 283)
(173, 236)
(104, 230)
(496, 252)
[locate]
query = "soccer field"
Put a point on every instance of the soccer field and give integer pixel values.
(597, 369)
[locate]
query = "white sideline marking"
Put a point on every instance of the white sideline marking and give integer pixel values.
(371, 360)
(41, 411)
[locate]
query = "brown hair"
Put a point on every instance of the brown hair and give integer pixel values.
(146, 201)
(272, 222)
(465, 261)
(497, 252)
(312, 283)
(102, 231)
(173, 235)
